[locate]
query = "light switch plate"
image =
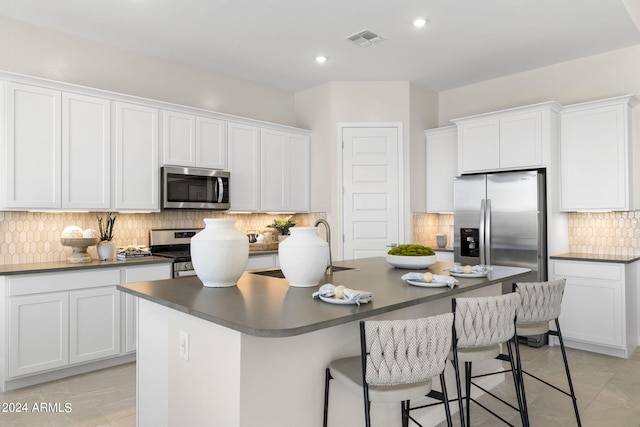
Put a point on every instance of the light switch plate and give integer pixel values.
(184, 345)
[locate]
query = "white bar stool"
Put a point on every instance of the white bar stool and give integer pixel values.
(481, 325)
(397, 362)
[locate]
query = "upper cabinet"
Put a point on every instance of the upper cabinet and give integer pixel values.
(57, 150)
(518, 138)
(284, 171)
(189, 140)
(137, 168)
(269, 169)
(442, 166)
(596, 155)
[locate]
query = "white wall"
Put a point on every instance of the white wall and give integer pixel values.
(585, 79)
(36, 51)
(323, 107)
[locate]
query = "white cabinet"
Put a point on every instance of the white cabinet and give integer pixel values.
(596, 155)
(284, 167)
(599, 306)
(137, 168)
(518, 138)
(58, 148)
(269, 169)
(244, 165)
(33, 147)
(86, 148)
(130, 302)
(260, 261)
(444, 256)
(62, 320)
(94, 324)
(189, 140)
(442, 155)
(38, 333)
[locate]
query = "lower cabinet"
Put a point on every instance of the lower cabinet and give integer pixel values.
(260, 261)
(599, 306)
(65, 319)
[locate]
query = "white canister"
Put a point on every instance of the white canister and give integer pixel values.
(303, 257)
(219, 253)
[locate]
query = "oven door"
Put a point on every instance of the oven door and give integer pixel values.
(194, 188)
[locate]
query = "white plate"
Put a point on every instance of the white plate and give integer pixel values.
(334, 300)
(428, 285)
(451, 273)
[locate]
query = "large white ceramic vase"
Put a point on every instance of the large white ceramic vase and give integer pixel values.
(303, 257)
(219, 253)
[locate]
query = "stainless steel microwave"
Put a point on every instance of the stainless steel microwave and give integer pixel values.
(194, 188)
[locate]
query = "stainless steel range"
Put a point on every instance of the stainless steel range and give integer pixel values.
(174, 244)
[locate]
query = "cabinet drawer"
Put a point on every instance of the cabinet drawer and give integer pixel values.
(591, 270)
(29, 284)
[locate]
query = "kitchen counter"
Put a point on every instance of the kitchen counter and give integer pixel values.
(255, 354)
(268, 307)
(578, 256)
(50, 267)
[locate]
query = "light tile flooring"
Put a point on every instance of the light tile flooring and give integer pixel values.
(608, 390)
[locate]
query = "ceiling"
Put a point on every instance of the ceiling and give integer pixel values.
(275, 42)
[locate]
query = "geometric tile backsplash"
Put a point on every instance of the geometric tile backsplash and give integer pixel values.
(598, 233)
(27, 237)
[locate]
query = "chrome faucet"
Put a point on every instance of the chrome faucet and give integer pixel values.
(326, 226)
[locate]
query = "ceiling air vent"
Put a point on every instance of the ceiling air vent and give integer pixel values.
(365, 38)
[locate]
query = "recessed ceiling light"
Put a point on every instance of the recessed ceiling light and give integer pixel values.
(419, 22)
(321, 59)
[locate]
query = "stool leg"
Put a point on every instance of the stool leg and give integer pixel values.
(518, 380)
(327, 378)
(445, 399)
(458, 387)
(467, 389)
(566, 368)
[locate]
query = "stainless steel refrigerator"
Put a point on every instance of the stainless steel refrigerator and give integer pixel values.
(500, 219)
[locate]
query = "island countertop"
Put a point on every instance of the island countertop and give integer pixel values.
(265, 306)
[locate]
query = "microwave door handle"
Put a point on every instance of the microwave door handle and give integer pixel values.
(220, 190)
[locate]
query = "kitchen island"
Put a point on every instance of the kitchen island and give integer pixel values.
(255, 354)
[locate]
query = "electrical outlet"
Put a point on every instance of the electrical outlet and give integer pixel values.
(184, 345)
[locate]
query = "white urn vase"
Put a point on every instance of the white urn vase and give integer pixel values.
(303, 257)
(219, 253)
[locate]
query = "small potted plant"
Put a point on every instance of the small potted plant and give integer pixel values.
(283, 226)
(106, 249)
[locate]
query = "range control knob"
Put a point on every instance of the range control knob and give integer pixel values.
(188, 266)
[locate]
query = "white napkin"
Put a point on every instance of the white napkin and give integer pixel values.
(328, 291)
(451, 281)
(476, 269)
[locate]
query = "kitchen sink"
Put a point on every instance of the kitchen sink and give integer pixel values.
(278, 273)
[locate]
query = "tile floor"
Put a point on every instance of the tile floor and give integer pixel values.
(608, 390)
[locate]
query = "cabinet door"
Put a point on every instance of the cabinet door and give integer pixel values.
(178, 139)
(94, 324)
(521, 140)
(211, 143)
(32, 174)
(137, 171)
(86, 142)
(442, 155)
(257, 262)
(38, 333)
(594, 158)
(479, 145)
(244, 165)
(284, 172)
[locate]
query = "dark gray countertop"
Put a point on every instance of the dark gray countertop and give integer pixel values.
(49, 267)
(268, 307)
(577, 256)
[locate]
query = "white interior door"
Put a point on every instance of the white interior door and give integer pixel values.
(371, 191)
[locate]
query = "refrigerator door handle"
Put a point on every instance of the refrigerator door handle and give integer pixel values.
(487, 235)
(483, 212)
